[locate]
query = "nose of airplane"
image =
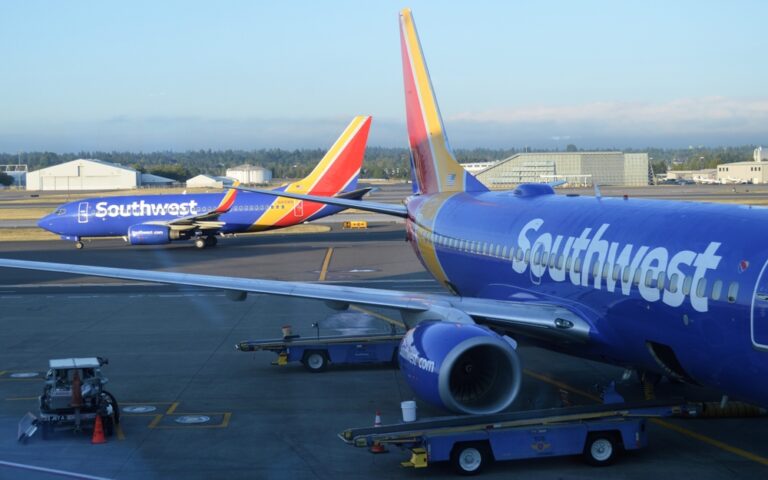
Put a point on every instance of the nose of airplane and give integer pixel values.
(48, 222)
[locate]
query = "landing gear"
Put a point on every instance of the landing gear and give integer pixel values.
(79, 245)
(207, 241)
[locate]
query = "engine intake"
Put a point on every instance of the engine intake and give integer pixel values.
(149, 234)
(465, 368)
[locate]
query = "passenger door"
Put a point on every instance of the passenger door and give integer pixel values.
(759, 320)
(82, 212)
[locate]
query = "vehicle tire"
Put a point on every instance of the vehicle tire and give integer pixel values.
(79, 245)
(115, 406)
(601, 449)
(200, 242)
(315, 361)
(470, 458)
(211, 241)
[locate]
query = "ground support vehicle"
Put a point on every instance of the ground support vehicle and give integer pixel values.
(73, 396)
(598, 432)
(317, 353)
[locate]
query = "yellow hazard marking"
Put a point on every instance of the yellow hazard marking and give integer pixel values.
(326, 262)
(378, 315)
(662, 423)
(120, 434)
(172, 408)
(155, 421)
(10, 399)
(2, 372)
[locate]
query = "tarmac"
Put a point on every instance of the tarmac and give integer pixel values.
(171, 351)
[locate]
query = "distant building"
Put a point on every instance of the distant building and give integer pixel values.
(150, 180)
(743, 172)
(250, 174)
(90, 174)
(206, 181)
(475, 167)
(576, 168)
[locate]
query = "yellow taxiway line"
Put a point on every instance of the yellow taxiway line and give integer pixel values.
(326, 262)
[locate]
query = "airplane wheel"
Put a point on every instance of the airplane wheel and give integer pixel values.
(200, 242)
(211, 241)
(79, 245)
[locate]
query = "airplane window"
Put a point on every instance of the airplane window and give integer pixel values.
(672, 287)
(528, 255)
(520, 255)
(485, 248)
(577, 265)
(625, 276)
(649, 278)
(595, 269)
(660, 281)
(701, 287)
(537, 257)
(687, 285)
(552, 260)
(636, 278)
(606, 269)
(733, 291)
(560, 262)
(504, 252)
(60, 211)
(545, 258)
(498, 250)
(616, 270)
(568, 261)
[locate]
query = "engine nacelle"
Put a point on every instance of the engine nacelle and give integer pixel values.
(465, 368)
(149, 234)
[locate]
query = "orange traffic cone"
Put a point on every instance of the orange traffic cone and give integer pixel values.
(377, 447)
(98, 432)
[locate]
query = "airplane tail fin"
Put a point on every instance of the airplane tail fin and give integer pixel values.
(339, 169)
(436, 168)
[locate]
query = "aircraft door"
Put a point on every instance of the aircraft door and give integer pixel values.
(82, 212)
(298, 209)
(759, 321)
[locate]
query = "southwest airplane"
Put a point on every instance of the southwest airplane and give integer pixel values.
(651, 285)
(160, 219)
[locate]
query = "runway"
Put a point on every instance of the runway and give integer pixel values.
(171, 349)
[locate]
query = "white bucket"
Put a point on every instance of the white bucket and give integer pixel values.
(409, 410)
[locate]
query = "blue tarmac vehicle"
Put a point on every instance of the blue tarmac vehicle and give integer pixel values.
(599, 433)
(346, 338)
(161, 219)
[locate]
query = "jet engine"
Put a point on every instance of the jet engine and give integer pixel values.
(465, 368)
(149, 234)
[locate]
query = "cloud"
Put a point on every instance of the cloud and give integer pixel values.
(686, 116)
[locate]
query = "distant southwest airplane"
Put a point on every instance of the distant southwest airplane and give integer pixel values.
(160, 219)
(671, 288)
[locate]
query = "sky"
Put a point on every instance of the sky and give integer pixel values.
(180, 75)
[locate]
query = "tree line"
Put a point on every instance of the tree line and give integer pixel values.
(380, 162)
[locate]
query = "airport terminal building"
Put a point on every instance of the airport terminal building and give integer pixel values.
(579, 169)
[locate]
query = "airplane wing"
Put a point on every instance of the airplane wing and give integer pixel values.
(339, 201)
(540, 320)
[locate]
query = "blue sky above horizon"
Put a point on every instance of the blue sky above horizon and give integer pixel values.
(179, 75)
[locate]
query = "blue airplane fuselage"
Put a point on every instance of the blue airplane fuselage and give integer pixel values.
(677, 288)
(113, 216)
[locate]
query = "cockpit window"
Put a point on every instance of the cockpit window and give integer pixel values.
(60, 211)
